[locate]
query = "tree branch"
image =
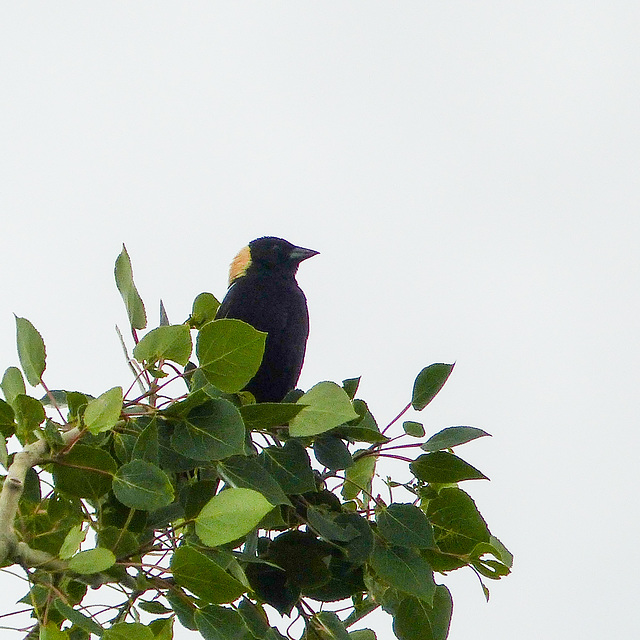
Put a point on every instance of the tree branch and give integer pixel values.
(11, 549)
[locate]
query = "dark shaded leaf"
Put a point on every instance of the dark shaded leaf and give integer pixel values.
(457, 523)
(452, 437)
(77, 618)
(7, 423)
(248, 472)
(443, 467)
(427, 384)
(416, 620)
(221, 623)
(211, 431)
(404, 570)
(324, 522)
(290, 466)
(332, 452)
(84, 472)
(325, 625)
(350, 385)
(203, 577)
(142, 485)
(266, 415)
(405, 525)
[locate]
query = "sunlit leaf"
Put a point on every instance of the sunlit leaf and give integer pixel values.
(230, 352)
(230, 515)
(328, 406)
(103, 412)
(165, 343)
(92, 561)
(204, 310)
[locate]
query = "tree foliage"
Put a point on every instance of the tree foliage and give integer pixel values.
(190, 501)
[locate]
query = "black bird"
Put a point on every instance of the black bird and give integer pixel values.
(263, 292)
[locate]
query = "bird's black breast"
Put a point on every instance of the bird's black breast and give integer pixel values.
(279, 308)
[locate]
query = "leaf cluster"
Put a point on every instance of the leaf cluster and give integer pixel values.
(203, 506)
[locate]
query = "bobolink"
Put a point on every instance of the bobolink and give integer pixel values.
(263, 292)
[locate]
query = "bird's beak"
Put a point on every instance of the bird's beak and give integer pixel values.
(300, 253)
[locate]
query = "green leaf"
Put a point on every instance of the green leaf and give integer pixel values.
(452, 437)
(332, 452)
(92, 561)
(405, 570)
(78, 619)
(12, 384)
(4, 454)
(84, 472)
(154, 607)
(211, 431)
(443, 467)
(72, 541)
(290, 466)
(416, 620)
(427, 384)
(230, 515)
(230, 352)
(325, 625)
(358, 549)
(265, 415)
(127, 288)
(247, 472)
(254, 617)
(328, 406)
(359, 476)
(363, 429)
(165, 343)
(220, 623)
(29, 415)
(326, 524)
(203, 577)
(128, 631)
(31, 351)
(162, 628)
(362, 634)
(457, 523)
(415, 429)
(405, 525)
(103, 412)
(142, 485)
(350, 385)
(204, 310)
(146, 444)
(51, 632)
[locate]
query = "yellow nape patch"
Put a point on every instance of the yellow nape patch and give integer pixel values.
(240, 264)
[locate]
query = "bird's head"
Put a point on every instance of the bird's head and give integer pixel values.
(270, 254)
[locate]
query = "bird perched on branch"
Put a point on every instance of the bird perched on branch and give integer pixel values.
(263, 292)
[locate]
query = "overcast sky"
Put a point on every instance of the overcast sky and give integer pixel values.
(469, 172)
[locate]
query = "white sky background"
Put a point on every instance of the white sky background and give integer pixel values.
(469, 173)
